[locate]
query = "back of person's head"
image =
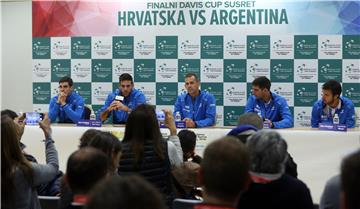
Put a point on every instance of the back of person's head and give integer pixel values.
(125, 192)
(187, 140)
(87, 136)
(85, 167)
(66, 79)
(333, 86)
(251, 118)
(9, 113)
(350, 181)
(125, 77)
(268, 152)
(108, 144)
(224, 168)
(262, 82)
(142, 125)
(11, 158)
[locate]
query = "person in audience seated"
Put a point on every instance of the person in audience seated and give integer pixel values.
(146, 153)
(271, 188)
(87, 136)
(224, 173)
(196, 107)
(111, 146)
(51, 188)
(271, 107)
(350, 181)
(330, 198)
(120, 103)
(125, 192)
(332, 103)
(85, 167)
(67, 106)
(186, 175)
(19, 177)
(250, 123)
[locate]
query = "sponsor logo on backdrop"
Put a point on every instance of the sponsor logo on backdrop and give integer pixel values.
(166, 71)
(282, 47)
(305, 94)
(100, 92)
(258, 47)
(41, 48)
(59, 69)
(329, 47)
(282, 71)
(330, 69)
(102, 47)
(101, 70)
(302, 116)
(144, 70)
(121, 66)
(60, 48)
(306, 71)
(285, 90)
(166, 47)
(234, 70)
(188, 66)
(41, 93)
(234, 94)
(81, 47)
(212, 47)
(81, 70)
(231, 115)
(84, 89)
(41, 70)
(351, 71)
(257, 68)
(212, 70)
(189, 48)
(149, 90)
(306, 47)
(234, 48)
(215, 89)
(166, 93)
(352, 91)
(123, 47)
(351, 46)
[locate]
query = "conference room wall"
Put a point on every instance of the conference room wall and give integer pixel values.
(16, 78)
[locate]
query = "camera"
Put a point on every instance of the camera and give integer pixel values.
(33, 118)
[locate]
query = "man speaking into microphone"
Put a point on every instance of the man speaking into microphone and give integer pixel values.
(120, 103)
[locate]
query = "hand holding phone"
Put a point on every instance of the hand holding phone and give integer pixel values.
(33, 118)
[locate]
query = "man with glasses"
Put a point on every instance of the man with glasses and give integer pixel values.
(272, 108)
(67, 106)
(120, 103)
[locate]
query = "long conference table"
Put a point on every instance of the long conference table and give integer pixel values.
(318, 154)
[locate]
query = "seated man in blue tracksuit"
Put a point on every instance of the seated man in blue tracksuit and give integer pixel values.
(332, 103)
(197, 108)
(68, 106)
(120, 103)
(271, 107)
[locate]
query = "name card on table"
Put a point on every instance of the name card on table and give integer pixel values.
(178, 124)
(89, 123)
(332, 127)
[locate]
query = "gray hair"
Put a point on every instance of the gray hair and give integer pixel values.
(251, 118)
(268, 152)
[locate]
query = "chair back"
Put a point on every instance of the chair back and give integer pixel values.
(87, 113)
(49, 202)
(185, 203)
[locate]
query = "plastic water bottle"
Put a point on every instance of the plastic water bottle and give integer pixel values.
(336, 119)
(92, 115)
(177, 116)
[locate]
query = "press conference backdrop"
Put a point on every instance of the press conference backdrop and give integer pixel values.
(297, 44)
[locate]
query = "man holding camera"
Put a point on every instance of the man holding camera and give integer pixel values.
(120, 103)
(67, 106)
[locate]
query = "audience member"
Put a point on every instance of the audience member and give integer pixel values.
(67, 106)
(330, 198)
(87, 136)
(224, 173)
(19, 176)
(146, 153)
(350, 181)
(271, 188)
(125, 192)
(85, 167)
(272, 107)
(196, 107)
(120, 103)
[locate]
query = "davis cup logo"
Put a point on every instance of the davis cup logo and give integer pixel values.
(301, 115)
(162, 91)
(325, 44)
(207, 68)
(37, 91)
(57, 45)
(301, 44)
(97, 45)
(278, 90)
(184, 44)
(276, 44)
(230, 44)
(230, 68)
(301, 91)
(349, 44)
(230, 91)
(97, 67)
(183, 68)
(349, 92)
(301, 68)
(277, 68)
(76, 45)
(162, 68)
(140, 68)
(230, 115)
(162, 44)
(118, 45)
(208, 89)
(206, 44)
(350, 68)
(38, 70)
(253, 68)
(253, 44)
(325, 68)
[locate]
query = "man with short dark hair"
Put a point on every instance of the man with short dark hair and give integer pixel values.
(67, 106)
(271, 107)
(85, 167)
(224, 173)
(197, 108)
(350, 181)
(332, 103)
(120, 103)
